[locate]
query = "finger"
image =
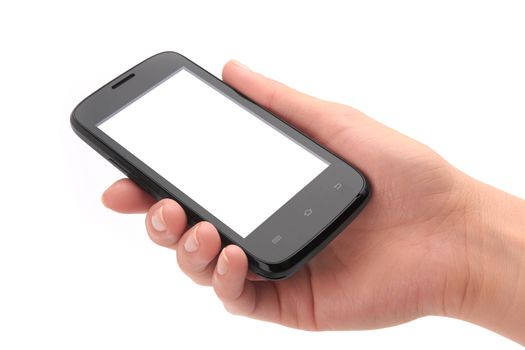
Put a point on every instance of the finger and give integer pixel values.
(302, 111)
(124, 196)
(229, 282)
(242, 296)
(198, 251)
(165, 223)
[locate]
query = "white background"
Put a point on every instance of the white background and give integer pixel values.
(74, 275)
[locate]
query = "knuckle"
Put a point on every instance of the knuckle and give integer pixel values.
(239, 307)
(200, 272)
(232, 308)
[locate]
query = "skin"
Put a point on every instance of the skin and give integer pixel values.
(431, 241)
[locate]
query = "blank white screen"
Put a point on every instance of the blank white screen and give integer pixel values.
(234, 164)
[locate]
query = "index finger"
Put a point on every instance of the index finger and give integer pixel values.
(124, 196)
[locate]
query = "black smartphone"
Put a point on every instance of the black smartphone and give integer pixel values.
(179, 132)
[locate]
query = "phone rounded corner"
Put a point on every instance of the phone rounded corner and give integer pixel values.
(169, 53)
(273, 271)
(366, 190)
(75, 123)
(73, 118)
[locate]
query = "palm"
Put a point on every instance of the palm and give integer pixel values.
(380, 270)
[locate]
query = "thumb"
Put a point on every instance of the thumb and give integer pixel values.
(320, 120)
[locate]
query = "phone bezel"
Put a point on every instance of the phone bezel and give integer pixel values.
(301, 235)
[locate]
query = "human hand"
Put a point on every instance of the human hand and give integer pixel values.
(403, 257)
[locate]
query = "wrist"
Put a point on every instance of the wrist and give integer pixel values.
(493, 291)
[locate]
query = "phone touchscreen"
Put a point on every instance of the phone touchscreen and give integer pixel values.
(231, 162)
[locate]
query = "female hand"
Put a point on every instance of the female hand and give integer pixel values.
(405, 256)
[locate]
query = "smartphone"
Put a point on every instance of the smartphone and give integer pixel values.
(179, 132)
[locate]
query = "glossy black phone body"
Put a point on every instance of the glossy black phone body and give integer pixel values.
(287, 239)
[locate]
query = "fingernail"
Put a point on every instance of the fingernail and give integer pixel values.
(157, 220)
(239, 64)
(192, 244)
(222, 263)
